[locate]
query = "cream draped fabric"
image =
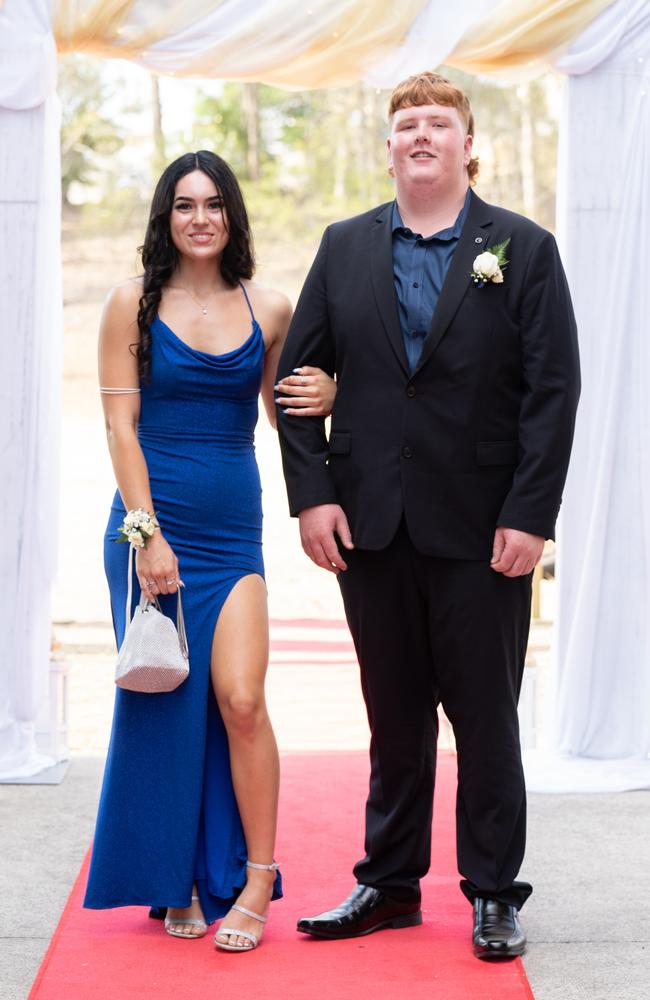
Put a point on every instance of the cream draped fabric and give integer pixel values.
(321, 43)
(285, 42)
(513, 38)
(523, 34)
(27, 54)
(30, 372)
(600, 707)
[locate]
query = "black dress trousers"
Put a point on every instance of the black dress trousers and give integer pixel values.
(430, 630)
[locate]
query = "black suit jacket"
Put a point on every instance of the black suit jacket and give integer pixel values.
(480, 434)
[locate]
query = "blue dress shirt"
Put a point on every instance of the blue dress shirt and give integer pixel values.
(419, 270)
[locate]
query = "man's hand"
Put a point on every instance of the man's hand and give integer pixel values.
(515, 553)
(317, 527)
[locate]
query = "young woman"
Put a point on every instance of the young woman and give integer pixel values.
(187, 815)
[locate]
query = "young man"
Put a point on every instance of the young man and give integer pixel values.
(458, 382)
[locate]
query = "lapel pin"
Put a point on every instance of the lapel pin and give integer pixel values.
(478, 239)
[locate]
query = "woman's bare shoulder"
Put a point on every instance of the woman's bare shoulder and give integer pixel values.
(274, 304)
(121, 307)
(123, 300)
(124, 295)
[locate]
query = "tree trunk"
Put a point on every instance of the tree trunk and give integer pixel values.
(338, 115)
(527, 158)
(160, 155)
(251, 113)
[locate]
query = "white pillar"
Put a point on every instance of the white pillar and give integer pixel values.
(30, 372)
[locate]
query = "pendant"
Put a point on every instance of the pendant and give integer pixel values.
(205, 311)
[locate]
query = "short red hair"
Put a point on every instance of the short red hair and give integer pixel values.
(431, 88)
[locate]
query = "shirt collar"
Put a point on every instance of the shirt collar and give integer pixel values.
(452, 233)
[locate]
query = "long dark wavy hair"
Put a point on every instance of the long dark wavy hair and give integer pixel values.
(159, 254)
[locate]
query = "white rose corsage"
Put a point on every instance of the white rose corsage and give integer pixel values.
(490, 265)
(137, 527)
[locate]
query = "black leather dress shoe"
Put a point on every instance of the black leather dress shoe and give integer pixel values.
(497, 931)
(364, 911)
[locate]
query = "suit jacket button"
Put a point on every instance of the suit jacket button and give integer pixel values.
(410, 391)
(406, 452)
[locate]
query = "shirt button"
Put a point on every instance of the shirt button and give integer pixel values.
(416, 284)
(406, 452)
(410, 391)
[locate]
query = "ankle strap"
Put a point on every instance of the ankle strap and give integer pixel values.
(273, 867)
(249, 913)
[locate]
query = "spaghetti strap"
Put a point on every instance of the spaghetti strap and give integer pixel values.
(248, 302)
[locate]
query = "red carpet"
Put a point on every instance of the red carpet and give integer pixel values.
(122, 955)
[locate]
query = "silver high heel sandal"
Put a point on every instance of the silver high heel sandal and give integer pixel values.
(171, 922)
(228, 931)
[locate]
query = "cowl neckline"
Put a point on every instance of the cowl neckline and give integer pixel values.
(224, 357)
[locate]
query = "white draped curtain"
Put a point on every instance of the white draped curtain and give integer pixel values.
(30, 372)
(601, 704)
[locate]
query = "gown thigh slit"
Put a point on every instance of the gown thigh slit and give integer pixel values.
(168, 815)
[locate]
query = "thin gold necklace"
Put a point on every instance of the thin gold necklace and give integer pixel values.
(203, 308)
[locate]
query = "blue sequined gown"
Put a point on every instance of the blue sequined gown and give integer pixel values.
(167, 814)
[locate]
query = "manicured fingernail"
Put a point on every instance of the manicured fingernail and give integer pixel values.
(297, 371)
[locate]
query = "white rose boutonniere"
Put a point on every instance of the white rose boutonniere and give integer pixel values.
(490, 265)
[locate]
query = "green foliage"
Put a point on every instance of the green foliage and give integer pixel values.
(220, 125)
(304, 158)
(511, 175)
(122, 208)
(499, 251)
(320, 155)
(87, 133)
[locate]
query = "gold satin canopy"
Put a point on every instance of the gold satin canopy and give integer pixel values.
(523, 31)
(306, 43)
(313, 43)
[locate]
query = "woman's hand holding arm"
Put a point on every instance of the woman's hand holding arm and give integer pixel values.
(309, 392)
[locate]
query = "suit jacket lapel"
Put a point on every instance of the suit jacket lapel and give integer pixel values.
(474, 239)
(381, 269)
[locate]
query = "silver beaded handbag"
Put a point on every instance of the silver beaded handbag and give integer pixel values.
(153, 656)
